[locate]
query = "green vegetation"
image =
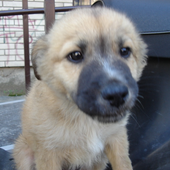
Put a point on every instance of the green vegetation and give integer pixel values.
(14, 93)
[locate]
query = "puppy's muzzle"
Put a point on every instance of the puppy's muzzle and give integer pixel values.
(115, 93)
(106, 95)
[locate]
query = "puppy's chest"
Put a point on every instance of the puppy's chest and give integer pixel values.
(80, 145)
(95, 144)
(88, 152)
(89, 148)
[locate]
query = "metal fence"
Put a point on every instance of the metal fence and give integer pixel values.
(49, 11)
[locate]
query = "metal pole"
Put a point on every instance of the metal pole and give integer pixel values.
(49, 7)
(39, 10)
(26, 46)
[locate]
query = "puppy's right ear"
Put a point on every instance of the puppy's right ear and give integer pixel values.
(38, 52)
(98, 3)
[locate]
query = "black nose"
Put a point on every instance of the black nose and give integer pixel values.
(115, 93)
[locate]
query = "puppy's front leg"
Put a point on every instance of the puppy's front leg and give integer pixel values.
(117, 152)
(47, 160)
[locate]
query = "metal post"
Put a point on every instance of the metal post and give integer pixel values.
(49, 7)
(26, 45)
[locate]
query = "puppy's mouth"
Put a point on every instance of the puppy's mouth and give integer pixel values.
(111, 118)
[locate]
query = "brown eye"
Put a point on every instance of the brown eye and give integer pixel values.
(75, 57)
(125, 52)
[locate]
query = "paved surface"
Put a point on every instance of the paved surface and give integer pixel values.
(10, 123)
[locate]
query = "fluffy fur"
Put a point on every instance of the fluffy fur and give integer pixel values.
(56, 133)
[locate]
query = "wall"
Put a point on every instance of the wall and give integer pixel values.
(11, 30)
(11, 42)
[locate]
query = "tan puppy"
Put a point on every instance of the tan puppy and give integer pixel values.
(75, 115)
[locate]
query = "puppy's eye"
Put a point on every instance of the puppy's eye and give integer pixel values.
(75, 57)
(125, 52)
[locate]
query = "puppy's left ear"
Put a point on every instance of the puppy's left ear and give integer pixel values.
(38, 54)
(98, 3)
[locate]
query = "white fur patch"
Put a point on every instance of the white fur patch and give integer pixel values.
(109, 70)
(95, 144)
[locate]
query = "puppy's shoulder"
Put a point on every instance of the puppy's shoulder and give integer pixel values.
(37, 94)
(37, 88)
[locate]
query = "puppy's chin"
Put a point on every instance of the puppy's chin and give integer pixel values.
(109, 119)
(105, 116)
(116, 116)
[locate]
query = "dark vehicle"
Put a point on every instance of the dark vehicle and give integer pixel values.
(149, 127)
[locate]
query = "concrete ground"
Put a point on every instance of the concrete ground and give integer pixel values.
(10, 122)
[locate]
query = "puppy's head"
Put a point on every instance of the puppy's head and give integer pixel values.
(92, 57)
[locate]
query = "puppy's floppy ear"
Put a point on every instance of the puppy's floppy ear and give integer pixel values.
(38, 52)
(98, 3)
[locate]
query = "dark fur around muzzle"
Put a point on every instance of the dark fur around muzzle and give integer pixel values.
(106, 93)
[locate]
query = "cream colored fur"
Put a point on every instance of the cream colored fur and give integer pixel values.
(55, 133)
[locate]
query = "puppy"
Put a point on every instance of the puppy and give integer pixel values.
(75, 115)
